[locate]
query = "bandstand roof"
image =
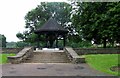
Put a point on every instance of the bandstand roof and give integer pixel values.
(51, 26)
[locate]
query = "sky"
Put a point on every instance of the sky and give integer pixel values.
(12, 13)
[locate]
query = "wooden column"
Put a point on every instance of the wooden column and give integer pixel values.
(57, 40)
(64, 40)
(38, 41)
(46, 40)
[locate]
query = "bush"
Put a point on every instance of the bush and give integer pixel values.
(82, 44)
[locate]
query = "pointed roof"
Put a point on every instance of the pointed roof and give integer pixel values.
(51, 26)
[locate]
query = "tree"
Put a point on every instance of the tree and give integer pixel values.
(21, 44)
(20, 36)
(2, 41)
(98, 21)
(11, 44)
(38, 16)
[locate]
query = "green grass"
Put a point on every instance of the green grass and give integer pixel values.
(3, 58)
(103, 62)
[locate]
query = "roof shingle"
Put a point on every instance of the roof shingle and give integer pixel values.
(51, 26)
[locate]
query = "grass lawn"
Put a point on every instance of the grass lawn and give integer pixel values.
(3, 58)
(103, 62)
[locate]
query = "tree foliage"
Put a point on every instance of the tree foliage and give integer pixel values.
(98, 21)
(2, 41)
(21, 44)
(93, 21)
(11, 45)
(38, 16)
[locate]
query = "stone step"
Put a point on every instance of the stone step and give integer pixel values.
(48, 57)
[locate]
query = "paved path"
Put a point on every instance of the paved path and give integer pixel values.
(51, 69)
(0, 71)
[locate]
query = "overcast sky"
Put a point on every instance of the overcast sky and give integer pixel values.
(12, 13)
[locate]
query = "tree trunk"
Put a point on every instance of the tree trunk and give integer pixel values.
(112, 43)
(104, 43)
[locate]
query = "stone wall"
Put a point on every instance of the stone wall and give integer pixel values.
(82, 51)
(21, 56)
(11, 50)
(73, 56)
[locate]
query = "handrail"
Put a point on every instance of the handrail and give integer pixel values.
(73, 56)
(21, 56)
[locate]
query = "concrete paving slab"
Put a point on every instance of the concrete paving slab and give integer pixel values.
(0, 70)
(49, 69)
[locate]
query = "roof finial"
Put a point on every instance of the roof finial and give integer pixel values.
(53, 14)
